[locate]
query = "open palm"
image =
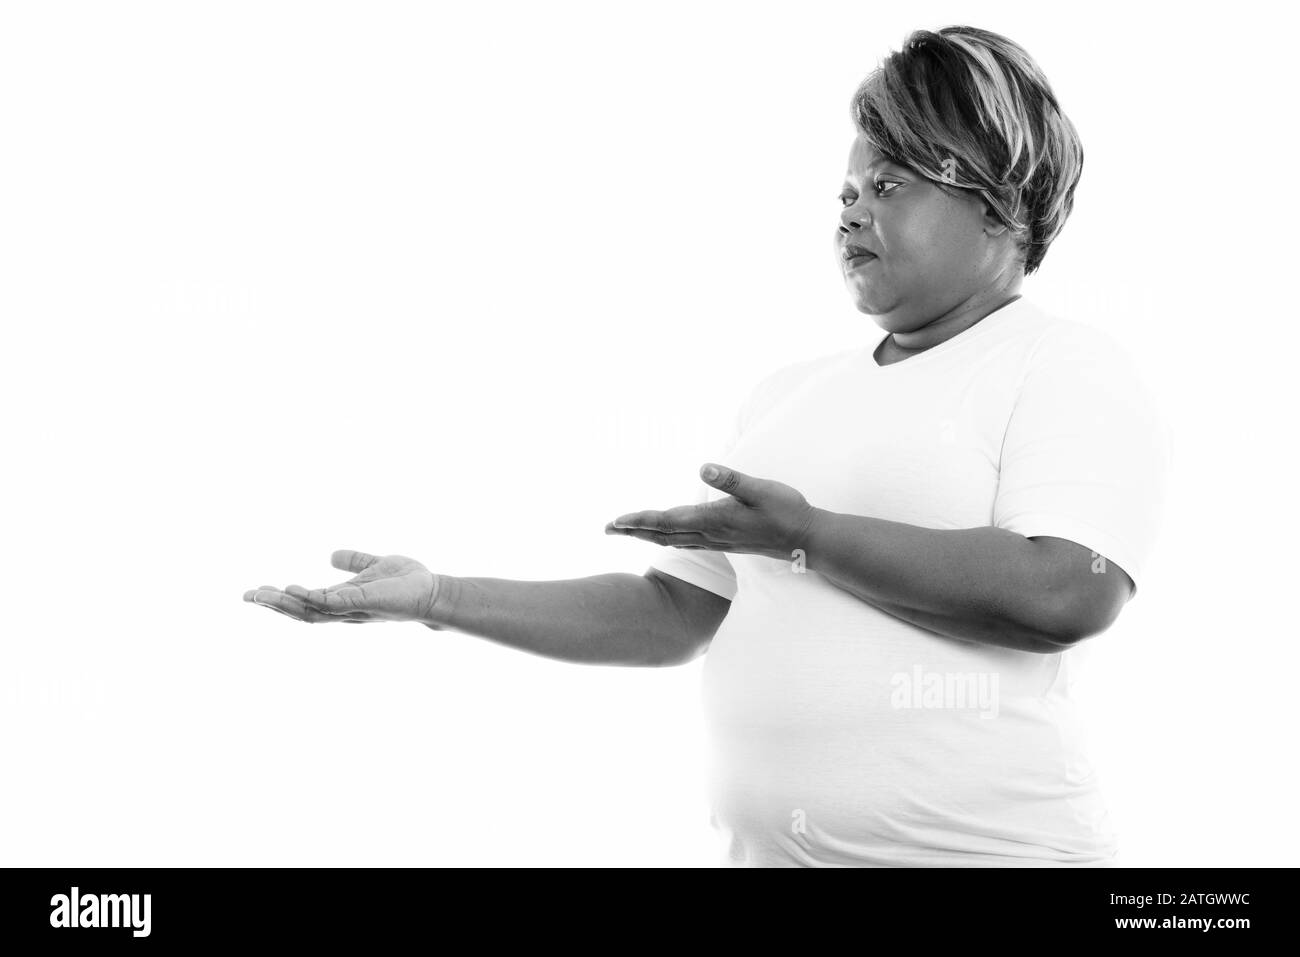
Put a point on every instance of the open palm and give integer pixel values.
(388, 588)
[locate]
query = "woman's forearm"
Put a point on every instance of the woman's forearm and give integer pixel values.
(612, 619)
(992, 631)
(988, 585)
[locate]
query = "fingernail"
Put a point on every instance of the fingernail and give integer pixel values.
(710, 472)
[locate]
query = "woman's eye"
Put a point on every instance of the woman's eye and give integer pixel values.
(847, 200)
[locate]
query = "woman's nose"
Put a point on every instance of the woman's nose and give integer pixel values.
(853, 218)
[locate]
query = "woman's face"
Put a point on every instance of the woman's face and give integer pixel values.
(933, 251)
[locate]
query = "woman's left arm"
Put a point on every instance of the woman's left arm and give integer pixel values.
(987, 585)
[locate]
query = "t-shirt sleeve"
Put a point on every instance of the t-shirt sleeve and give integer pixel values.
(703, 567)
(1086, 452)
(712, 570)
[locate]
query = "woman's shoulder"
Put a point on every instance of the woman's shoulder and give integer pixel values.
(785, 379)
(793, 374)
(1079, 361)
(1051, 339)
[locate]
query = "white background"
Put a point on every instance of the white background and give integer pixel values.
(464, 283)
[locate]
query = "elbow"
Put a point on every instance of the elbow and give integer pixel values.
(678, 653)
(1074, 618)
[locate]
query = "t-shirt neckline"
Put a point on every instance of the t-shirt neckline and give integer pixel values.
(970, 332)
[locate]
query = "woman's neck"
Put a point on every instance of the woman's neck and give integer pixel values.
(901, 345)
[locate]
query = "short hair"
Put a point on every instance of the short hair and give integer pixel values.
(970, 109)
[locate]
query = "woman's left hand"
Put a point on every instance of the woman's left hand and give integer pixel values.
(759, 517)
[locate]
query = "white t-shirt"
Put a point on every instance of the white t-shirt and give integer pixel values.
(844, 736)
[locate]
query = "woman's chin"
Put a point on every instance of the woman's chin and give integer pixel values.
(869, 295)
(869, 303)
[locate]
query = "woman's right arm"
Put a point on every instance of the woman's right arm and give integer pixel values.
(650, 620)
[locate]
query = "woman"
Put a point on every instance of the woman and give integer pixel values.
(899, 550)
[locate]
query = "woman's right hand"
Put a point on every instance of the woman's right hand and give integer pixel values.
(391, 588)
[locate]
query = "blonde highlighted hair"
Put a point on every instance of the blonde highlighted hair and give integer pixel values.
(971, 110)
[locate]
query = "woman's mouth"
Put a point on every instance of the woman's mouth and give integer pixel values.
(853, 262)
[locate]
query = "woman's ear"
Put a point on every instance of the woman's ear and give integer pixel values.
(993, 225)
